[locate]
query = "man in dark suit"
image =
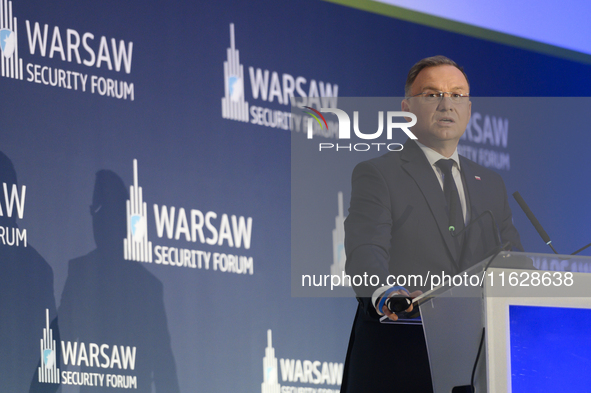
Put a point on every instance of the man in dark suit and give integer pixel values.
(402, 207)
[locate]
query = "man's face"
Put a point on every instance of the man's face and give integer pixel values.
(440, 120)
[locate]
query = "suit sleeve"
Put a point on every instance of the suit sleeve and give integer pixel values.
(368, 230)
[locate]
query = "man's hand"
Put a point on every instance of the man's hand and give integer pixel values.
(402, 292)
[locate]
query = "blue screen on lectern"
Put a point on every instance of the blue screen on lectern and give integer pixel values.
(550, 349)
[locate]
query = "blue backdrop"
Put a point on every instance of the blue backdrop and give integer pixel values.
(205, 327)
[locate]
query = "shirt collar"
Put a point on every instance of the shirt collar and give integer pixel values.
(433, 156)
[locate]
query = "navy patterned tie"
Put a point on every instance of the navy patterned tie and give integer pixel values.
(452, 197)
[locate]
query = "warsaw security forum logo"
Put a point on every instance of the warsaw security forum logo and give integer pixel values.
(11, 65)
(298, 371)
(48, 371)
(136, 246)
(233, 105)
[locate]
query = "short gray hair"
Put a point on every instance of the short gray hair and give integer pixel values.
(426, 63)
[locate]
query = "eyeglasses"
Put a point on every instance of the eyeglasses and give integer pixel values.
(436, 96)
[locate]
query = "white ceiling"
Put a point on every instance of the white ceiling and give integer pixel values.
(565, 23)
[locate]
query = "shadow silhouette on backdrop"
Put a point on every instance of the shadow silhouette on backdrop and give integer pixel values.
(109, 300)
(26, 292)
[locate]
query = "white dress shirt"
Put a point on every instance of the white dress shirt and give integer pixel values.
(433, 157)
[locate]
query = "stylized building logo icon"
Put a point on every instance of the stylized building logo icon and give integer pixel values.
(7, 41)
(48, 371)
(270, 373)
(233, 105)
(136, 246)
(338, 242)
(12, 66)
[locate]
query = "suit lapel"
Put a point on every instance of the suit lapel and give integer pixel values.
(418, 167)
(474, 189)
(479, 193)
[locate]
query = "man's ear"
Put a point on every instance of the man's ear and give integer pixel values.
(404, 105)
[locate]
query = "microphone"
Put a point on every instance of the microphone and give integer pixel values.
(581, 249)
(533, 220)
(397, 304)
(472, 222)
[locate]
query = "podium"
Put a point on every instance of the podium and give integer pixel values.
(532, 313)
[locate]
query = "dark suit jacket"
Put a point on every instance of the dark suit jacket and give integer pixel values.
(398, 224)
